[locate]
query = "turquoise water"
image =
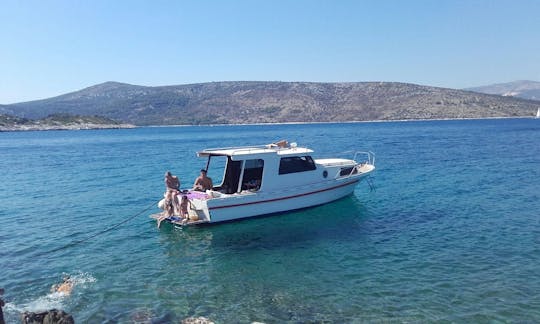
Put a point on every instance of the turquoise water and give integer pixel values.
(452, 232)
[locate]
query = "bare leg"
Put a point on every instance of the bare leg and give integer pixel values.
(169, 207)
(167, 212)
(160, 219)
(176, 203)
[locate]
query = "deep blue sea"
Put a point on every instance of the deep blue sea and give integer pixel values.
(451, 233)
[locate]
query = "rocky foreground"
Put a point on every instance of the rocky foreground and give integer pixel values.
(52, 316)
(58, 122)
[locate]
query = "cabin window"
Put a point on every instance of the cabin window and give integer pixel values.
(293, 164)
(347, 171)
(253, 170)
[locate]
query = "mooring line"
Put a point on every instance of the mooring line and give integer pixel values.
(369, 180)
(101, 232)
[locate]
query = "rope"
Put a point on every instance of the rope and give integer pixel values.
(369, 180)
(101, 232)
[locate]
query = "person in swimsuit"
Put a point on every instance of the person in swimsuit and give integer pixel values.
(203, 183)
(184, 213)
(171, 203)
(172, 189)
(168, 208)
(65, 287)
(172, 183)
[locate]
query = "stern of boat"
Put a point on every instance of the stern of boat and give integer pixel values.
(198, 214)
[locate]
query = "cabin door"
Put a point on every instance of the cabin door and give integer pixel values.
(232, 176)
(252, 175)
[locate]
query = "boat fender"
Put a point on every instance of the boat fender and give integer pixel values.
(325, 174)
(161, 204)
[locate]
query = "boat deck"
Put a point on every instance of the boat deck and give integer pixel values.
(176, 220)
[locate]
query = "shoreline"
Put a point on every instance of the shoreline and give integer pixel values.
(340, 122)
(40, 128)
(28, 128)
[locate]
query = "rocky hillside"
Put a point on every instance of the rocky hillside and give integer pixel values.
(58, 122)
(521, 89)
(271, 102)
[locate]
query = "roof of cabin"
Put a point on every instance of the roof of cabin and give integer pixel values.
(247, 151)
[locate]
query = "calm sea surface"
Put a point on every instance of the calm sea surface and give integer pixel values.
(452, 232)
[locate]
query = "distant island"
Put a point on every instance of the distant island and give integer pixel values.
(238, 102)
(58, 122)
(521, 89)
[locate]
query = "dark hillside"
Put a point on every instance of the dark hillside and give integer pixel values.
(271, 102)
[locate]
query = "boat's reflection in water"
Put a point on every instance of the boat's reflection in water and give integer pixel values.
(341, 219)
(264, 263)
(197, 250)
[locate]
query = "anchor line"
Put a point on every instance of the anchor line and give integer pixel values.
(369, 180)
(101, 232)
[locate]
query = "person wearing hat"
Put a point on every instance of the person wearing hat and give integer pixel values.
(203, 183)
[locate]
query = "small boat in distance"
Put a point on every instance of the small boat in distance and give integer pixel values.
(273, 178)
(538, 113)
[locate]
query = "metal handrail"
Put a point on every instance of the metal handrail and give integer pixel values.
(370, 156)
(370, 160)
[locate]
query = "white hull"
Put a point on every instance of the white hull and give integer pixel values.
(286, 200)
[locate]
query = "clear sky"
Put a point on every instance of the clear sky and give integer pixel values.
(48, 48)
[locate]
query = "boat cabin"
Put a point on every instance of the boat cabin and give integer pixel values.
(256, 168)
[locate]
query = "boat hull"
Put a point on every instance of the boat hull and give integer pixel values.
(270, 203)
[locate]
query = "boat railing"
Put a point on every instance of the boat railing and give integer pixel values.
(369, 159)
(368, 155)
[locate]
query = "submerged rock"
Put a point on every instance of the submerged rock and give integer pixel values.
(1, 305)
(196, 320)
(52, 316)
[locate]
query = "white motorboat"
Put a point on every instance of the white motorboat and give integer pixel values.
(273, 178)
